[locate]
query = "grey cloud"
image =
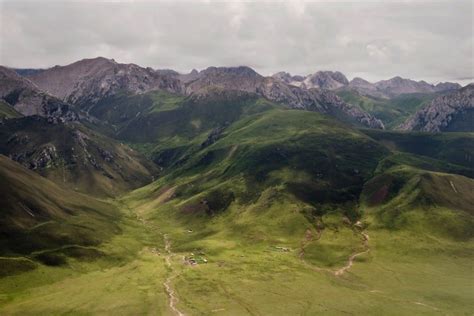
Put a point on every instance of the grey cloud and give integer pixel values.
(376, 40)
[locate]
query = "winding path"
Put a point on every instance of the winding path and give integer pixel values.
(350, 262)
(167, 284)
(173, 299)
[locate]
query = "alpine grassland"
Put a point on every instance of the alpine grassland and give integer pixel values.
(265, 211)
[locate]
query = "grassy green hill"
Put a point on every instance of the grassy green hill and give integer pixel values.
(167, 127)
(305, 154)
(435, 203)
(449, 148)
(75, 156)
(41, 222)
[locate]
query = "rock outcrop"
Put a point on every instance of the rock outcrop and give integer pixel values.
(330, 80)
(443, 112)
(27, 99)
(85, 82)
(73, 154)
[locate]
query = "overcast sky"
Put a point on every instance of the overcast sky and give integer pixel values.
(419, 39)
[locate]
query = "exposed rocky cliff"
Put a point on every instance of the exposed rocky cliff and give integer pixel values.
(450, 112)
(288, 78)
(27, 99)
(87, 81)
(73, 155)
(330, 80)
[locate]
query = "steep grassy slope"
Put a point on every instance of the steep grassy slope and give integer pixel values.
(74, 156)
(450, 148)
(392, 111)
(308, 155)
(41, 222)
(432, 203)
(166, 126)
(7, 111)
(461, 121)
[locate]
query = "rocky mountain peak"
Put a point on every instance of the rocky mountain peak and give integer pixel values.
(330, 80)
(242, 71)
(233, 78)
(87, 81)
(398, 85)
(359, 81)
(446, 86)
(288, 78)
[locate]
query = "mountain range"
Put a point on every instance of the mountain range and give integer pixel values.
(132, 190)
(382, 89)
(86, 82)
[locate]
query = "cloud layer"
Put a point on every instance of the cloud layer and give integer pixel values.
(375, 40)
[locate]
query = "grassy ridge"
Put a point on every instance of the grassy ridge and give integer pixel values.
(41, 222)
(451, 148)
(429, 202)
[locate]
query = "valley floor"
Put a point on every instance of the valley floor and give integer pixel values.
(147, 271)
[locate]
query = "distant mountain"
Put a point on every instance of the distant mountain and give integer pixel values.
(446, 86)
(365, 88)
(382, 89)
(326, 80)
(288, 78)
(330, 80)
(74, 156)
(397, 86)
(27, 71)
(87, 81)
(27, 99)
(231, 78)
(450, 112)
(247, 80)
